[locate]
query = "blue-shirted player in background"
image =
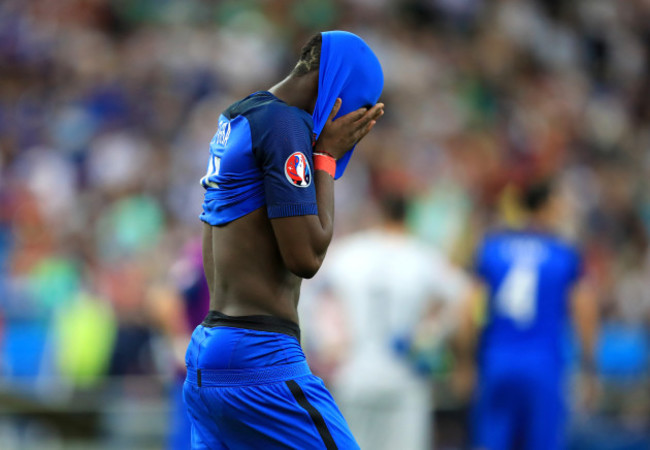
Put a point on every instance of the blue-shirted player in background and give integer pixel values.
(268, 213)
(534, 287)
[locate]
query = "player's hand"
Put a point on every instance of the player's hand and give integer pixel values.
(338, 136)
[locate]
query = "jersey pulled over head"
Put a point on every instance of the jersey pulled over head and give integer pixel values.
(348, 70)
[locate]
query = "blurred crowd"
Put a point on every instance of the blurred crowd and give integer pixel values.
(107, 108)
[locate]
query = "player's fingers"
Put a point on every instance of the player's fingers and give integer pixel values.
(361, 126)
(335, 109)
(365, 130)
(377, 111)
(373, 114)
(354, 115)
(373, 111)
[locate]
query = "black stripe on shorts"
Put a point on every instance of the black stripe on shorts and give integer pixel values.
(315, 415)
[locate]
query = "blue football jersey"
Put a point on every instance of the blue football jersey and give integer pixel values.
(529, 276)
(261, 155)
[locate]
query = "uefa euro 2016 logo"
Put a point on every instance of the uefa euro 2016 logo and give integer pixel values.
(297, 170)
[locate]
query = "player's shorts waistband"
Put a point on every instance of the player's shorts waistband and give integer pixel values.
(259, 323)
(243, 377)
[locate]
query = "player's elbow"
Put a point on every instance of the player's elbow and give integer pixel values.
(304, 266)
(301, 244)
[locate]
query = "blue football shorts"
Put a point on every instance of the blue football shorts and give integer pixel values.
(248, 386)
(519, 407)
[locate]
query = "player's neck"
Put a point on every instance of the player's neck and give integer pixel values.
(540, 222)
(298, 91)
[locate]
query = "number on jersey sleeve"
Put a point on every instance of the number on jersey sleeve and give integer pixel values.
(213, 170)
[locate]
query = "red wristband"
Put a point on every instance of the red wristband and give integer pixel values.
(323, 161)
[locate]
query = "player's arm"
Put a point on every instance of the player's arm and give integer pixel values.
(303, 239)
(585, 317)
(471, 320)
(584, 310)
(466, 338)
(165, 307)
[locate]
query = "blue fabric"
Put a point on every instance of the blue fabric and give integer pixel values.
(519, 401)
(180, 428)
(529, 277)
(260, 155)
(348, 70)
(516, 407)
(25, 346)
(264, 415)
(623, 353)
(244, 377)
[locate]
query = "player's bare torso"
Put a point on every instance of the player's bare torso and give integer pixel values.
(245, 271)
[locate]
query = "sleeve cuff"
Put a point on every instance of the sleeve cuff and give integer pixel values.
(291, 209)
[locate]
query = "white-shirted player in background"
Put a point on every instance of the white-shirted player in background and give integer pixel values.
(385, 288)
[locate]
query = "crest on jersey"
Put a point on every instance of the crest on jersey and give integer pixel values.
(297, 170)
(223, 133)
